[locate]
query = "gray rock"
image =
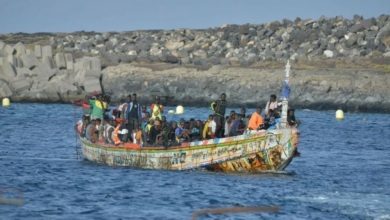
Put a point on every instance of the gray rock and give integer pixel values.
(244, 29)
(43, 71)
(339, 32)
(38, 51)
(69, 61)
(106, 35)
(19, 84)
(171, 59)
(382, 20)
(368, 23)
(99, 39)
(114, 41)
(47, 51)
(180, 54)
(171, 45)
(357, 28)
(200, 54)
(8, 71)
(29, 61)
(10, 50)
(113, 58)
(351, 39)
(60, 61)
(213, 60)
(24, 72)
(384, 33)
(184, 61)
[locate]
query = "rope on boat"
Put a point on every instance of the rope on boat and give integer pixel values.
(234, 210)
(75, 122)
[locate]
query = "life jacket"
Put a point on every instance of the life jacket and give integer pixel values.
(116, 138)
(219, 107)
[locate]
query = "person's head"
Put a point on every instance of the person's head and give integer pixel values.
(232, 112)
(272, 98)
(258, 110)
(233, 117)
(86, 120)
(163, 118)
(105, 122)
(187, 125)
(128, 99)
(157, 100)
(157, 124)
(192, 122)
(174, 124)
(114, 123)
(211, 117)
(98, 121)
(290, 112)
(147, 115)
(270, 112)
(243, 111)
(151, 121)
(182, 122)
(93, 122)
(100, 97)
(134, 97)
(198, 123)
(223, 96)
(238, 117)
(157, 118)
(144, 108)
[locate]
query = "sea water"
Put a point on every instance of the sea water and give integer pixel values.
(343, 173)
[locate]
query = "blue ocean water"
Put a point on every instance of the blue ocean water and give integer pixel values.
(343, 173)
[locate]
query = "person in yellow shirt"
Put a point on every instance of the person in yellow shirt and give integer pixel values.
(157, 109)
(256, 120)
(206, 134)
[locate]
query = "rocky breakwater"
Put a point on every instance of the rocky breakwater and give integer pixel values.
(238, 45)
(40, 76)
(352, 90)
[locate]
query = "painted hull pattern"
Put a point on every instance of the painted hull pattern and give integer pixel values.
(260, 151)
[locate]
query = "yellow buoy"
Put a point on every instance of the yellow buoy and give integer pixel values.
(179, 109)
(171, 112)
(6, 102)
(339, 114)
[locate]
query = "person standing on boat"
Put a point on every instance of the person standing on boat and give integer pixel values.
(157, 109)
(271, 104)
(133, 116)
(84, 104)
(219, 109)
(98, 107)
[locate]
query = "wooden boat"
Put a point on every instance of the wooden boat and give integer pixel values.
(263, 150)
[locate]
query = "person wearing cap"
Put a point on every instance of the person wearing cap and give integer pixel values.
(157, 108)
(219, 109)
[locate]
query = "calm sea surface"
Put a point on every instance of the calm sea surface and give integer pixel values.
(344, 173)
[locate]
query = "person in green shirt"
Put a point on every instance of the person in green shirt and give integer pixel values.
(98, 107)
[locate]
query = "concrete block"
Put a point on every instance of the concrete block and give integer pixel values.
(12, 60)
(2, 44)
(8, 71)
(69, 61)
(86, 64)
(78, 66)
(28, 51)
(60, 61)
(19, 84)
(3, 54)
(26, 72)
(10, 50)
(5, 90)
(43, 71)
(38, 51)
(49, 61)
(20, 49)
(92, 85)
(46, 51)
(29, 61)
(19, 62)
(95, 63)
(3, 60)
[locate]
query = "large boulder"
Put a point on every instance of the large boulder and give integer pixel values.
(20, 49)
(19, 84)
(383, 36)
(29, 61)
(200, 54)
(356, 28)
(174, 45)
(7, 71)
(368, 23)
(5, 90)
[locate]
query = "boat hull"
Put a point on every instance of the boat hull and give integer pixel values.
(260, 151)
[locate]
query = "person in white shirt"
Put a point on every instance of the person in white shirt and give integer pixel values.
(271, 104)
(212, 127)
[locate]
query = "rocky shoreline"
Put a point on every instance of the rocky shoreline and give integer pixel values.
(336, 63)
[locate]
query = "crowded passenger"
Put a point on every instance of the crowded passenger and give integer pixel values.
(131, 122)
